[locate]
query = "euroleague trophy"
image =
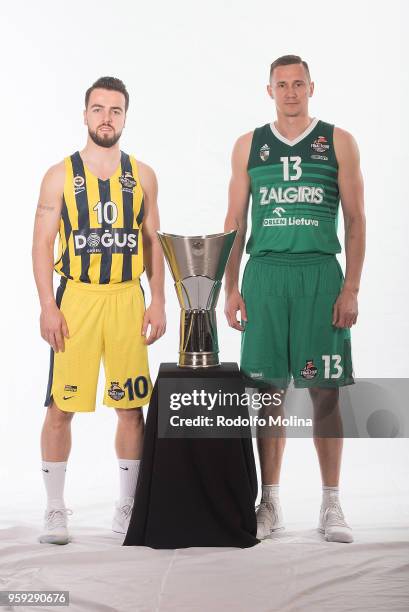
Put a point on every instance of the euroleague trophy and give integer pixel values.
(185, 453)
(197, 264)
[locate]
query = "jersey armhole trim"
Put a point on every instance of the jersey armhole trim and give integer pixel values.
(253, 146)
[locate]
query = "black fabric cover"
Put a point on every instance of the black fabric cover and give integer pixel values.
(194, 492)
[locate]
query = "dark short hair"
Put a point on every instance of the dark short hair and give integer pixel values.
(108, 83)
(287, 60)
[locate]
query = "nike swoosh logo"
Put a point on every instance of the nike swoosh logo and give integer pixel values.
(69, 397)
(123, 468)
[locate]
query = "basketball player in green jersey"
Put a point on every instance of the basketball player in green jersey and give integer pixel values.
(296, 307)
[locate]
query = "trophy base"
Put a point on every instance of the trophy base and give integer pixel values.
(198, 360)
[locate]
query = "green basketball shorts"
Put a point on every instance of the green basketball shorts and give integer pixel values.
(289, 301)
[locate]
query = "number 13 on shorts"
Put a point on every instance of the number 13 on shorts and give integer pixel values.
(332, 366)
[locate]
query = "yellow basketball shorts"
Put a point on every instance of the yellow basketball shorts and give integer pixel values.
(104, 321)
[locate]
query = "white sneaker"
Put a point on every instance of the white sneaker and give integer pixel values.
(269, 518)
(333, 525)
(55, 526)
(122, 516)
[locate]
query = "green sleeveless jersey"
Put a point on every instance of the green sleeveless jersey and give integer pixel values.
(294, 191)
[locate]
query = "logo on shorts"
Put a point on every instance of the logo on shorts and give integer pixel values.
(310, 371)
(71, 388)
(116, 392)
(79, 184)
(264, 152)
(127, 181)
(320, 144)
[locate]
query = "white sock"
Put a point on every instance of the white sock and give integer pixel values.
(270, 492)
(329, 495)
(128, 476)
(54, 479)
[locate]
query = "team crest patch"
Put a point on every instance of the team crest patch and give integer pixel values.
(264, 152)
(320, 144)
(310, 370)
(116, 392)
(79, 183)
(127, 181)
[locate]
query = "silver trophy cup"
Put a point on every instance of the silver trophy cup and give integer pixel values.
(197, 264)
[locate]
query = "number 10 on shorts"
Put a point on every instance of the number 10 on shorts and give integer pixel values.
(332, 367)
(138, 387)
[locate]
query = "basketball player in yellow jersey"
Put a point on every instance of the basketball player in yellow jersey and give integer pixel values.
(102, 202)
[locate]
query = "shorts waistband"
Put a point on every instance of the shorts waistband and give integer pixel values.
(96, 288)
(293, 259)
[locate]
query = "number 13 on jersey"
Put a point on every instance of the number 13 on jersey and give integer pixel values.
(291, 165)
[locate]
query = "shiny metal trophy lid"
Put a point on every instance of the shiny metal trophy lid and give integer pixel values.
(197, 264)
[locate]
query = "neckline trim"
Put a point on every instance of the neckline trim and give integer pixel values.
(303, 135)
(117, 171)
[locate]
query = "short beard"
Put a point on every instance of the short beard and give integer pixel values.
(104, 141)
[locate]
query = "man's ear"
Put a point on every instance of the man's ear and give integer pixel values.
(311, 88)
(85, 117)
(270, 91)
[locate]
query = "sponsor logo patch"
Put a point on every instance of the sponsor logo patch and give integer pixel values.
(319, 157)
(71, 388)
(113, 240)
(278, 210)
(289, 221)
(274, 221)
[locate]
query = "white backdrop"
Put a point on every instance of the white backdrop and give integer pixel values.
(196, 73)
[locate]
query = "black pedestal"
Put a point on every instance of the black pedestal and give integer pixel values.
(194, 492)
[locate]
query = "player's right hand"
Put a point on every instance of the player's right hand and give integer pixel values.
(234, 303)
(53, 327)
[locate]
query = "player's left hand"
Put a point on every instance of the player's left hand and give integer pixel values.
(345, 311)
(154, 317)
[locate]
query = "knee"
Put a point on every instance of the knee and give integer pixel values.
(325, 402)
(321, 396)
(131, 417)
(57, 418)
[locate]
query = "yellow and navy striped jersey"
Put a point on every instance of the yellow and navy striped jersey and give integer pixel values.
(100, 238)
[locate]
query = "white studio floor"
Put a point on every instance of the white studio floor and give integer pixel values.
(294, 571)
